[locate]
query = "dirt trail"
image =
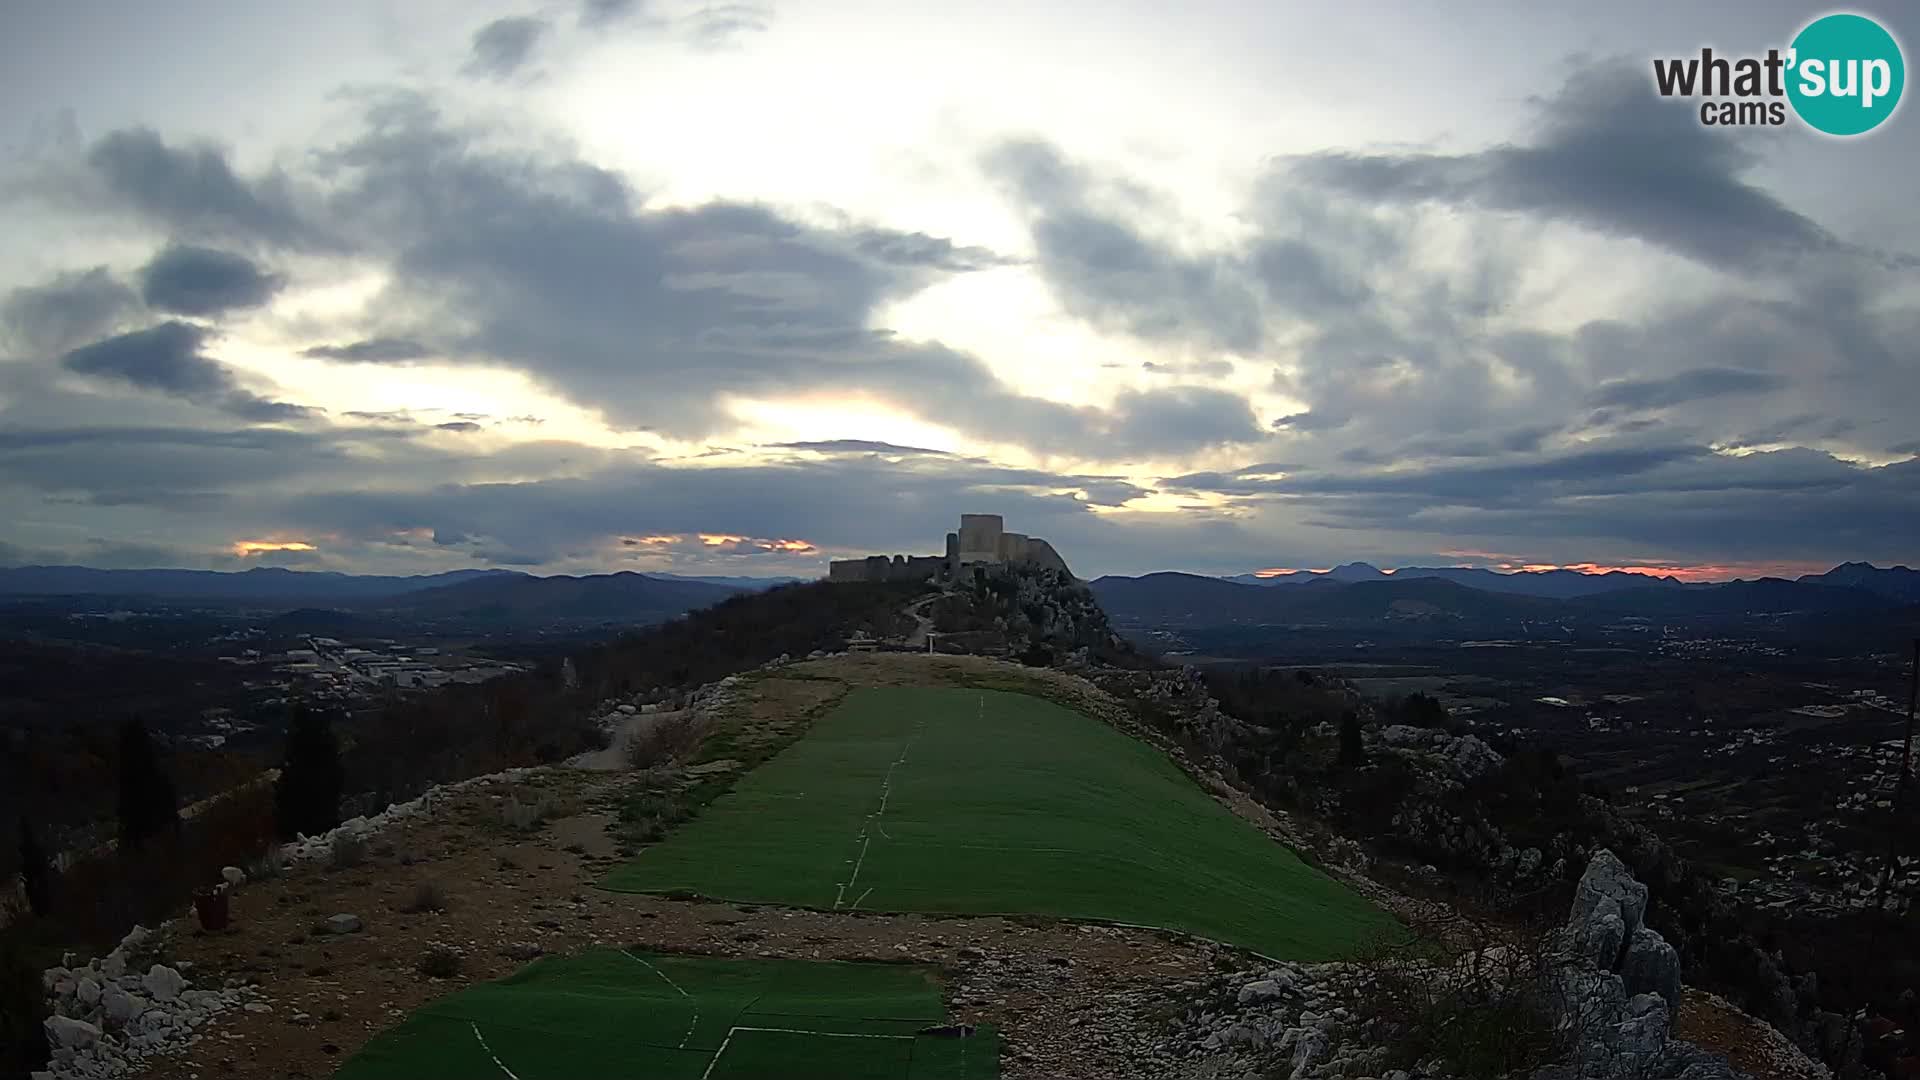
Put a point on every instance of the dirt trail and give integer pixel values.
(614, 757)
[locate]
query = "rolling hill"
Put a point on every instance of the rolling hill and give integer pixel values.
(625, 597)
(1192, 600)
(264, 583)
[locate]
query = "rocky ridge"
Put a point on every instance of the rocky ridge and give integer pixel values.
(109, 1018)
(1608, 988)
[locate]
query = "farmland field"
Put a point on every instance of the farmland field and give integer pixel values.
(982, 802)
(613, 1013)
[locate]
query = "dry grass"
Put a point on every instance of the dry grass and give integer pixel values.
(1487, 1010)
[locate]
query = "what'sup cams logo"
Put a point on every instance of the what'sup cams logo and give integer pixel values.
(1842, 75)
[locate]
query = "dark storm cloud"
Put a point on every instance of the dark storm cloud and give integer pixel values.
(1687, 386)
(863, 502)
(192, 191)
(503, 46)
(1106, 271)
(1609, 155)
(1181, 417)
(370, 351)
(595, 13)
(920, 249)
(167, 359)
(856, 446)
(190, 280)
(650, 315)
(73, 307)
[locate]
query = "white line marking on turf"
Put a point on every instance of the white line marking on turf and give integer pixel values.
(874, 821)
(489, 1050)
(695, 1022)
(731, 1032)
(862, 900)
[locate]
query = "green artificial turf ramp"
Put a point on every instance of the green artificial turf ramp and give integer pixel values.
(607, 1013)
(983, 802)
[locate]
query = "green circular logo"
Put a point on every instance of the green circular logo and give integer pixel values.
(1846, 74)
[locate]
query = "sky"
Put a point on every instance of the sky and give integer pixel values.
(739, 288)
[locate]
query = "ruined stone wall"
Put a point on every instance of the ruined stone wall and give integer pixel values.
(980, 537)
(886, 568)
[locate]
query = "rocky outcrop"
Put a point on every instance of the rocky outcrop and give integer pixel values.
(108, 1017)
(1614, 986)
(1610, 1019)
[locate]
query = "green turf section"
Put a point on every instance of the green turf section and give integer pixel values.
(981, 802)
(632, 1014)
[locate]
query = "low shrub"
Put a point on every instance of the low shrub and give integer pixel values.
(1484, 1007)
(349, 851)
(23, 1008)
(427, 897)
(440, 962)
(668, 739)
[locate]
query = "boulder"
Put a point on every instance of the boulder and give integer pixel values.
(1260, 992)
(88, 991)
(1600, 939)
(1404, 735)
(120, 1007)
(1307, 1052)
(163, 982)
(1472, 758)
(66, 1032)
(1652, 967)
(1607, 878)
(233, 876)
(344, 924)
(1639, 1039)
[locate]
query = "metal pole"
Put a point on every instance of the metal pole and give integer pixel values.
(1900, 788)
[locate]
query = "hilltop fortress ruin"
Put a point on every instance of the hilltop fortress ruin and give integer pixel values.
(982, 540)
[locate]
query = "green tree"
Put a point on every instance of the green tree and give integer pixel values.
(1352, 751)
(1423, 710)
(23, 1011)
(35, 871)
(306, 797)
(148, 806)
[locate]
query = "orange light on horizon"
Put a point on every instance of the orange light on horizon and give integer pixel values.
(718, 539)
(801, 546)
(658, 539)
(245, 548)
(1649, 567)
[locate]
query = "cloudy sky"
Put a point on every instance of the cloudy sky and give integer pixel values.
(741, 287)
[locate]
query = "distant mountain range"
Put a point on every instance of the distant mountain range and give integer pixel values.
(1897, 582)
(272, 583)
(1558, 584)
(260, 583)
(624, 597)
(749, 583)
(1353, 595)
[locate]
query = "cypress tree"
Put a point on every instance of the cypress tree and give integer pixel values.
(35, 871)
(148, 805)
(306, 797)
(1352, 750)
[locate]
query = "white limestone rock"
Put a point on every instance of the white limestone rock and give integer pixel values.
(71, 1034)
(164, 983)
